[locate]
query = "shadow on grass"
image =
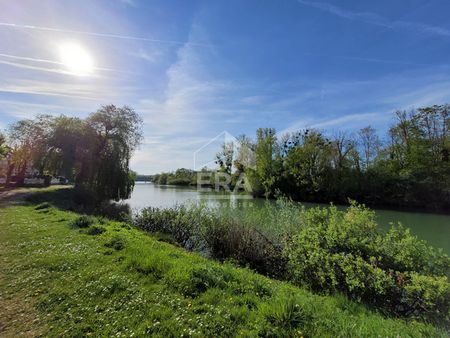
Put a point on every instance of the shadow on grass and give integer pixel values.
(70, 199)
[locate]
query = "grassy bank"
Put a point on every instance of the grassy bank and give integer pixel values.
(62, 275)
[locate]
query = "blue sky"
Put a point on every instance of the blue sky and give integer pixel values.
(193, 69)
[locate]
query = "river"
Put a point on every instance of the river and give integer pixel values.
(434, 228)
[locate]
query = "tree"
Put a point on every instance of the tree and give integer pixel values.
(94, 152)
(28, 146)
(267, 171)
(3, 147)
(4, 150)
(307, 163)
(69, 146)
(370, 144)
(224, 158)
(116, 133)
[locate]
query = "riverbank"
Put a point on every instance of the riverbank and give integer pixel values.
(434, 228)
(111, 279)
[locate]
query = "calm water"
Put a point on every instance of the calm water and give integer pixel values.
(433, 228)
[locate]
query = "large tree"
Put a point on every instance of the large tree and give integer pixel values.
(94, 153)
(116, 133)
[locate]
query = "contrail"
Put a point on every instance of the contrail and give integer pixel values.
(50, 70)
(103, 35)
(30, 59)
(25, 58)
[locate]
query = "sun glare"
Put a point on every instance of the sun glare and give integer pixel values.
(76, 59)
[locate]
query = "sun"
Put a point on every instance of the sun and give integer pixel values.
(76, 58)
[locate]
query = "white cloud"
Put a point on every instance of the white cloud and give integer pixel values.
(375, 19)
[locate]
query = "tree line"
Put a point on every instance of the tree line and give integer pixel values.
(408, 168)
(93, 153)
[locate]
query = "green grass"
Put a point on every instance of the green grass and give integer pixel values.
(57, 279)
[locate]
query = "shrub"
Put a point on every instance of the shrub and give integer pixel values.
(112, 210)
(222, 238)
(83, 221)
(343, 252)
(95, 230)
(246, 245)
(117, 242)
(326, 250)
(179, 222)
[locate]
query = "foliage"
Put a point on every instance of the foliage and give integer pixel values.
(199, 228)
(3, 146)
(284, 312)
(70, 284)
(179, 177)
(94, 153)
(409, 168)
(321, 248)
(83, 221)
(344, 252)
(117, 133)
(116, 242)
(95, 230)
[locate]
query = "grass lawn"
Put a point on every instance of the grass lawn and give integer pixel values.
(110, 279)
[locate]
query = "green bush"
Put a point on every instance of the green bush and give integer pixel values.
(95, 230)
(179, 222)
(83, 221)
(245, 244)
(117, 242)
(343, 252)
(325, 250)
(197, 228)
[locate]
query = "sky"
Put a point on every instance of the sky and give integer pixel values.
(193, 69)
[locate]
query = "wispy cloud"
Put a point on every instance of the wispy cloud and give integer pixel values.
(377, 100)
(36, 60)
(86, 91)
(148, 56)
(375, 19)
(102, 35)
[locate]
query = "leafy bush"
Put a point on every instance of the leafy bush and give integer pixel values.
(112, 210)
(95, 230)
(117, 242)
(342, 251)
(199, 228)
(179, 181)
(83, 221)
(178, 222)
(245, 244)
(325, 250)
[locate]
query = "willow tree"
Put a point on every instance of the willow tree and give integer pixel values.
(114, 133)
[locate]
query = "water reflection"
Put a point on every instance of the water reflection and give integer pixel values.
(433, 228)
